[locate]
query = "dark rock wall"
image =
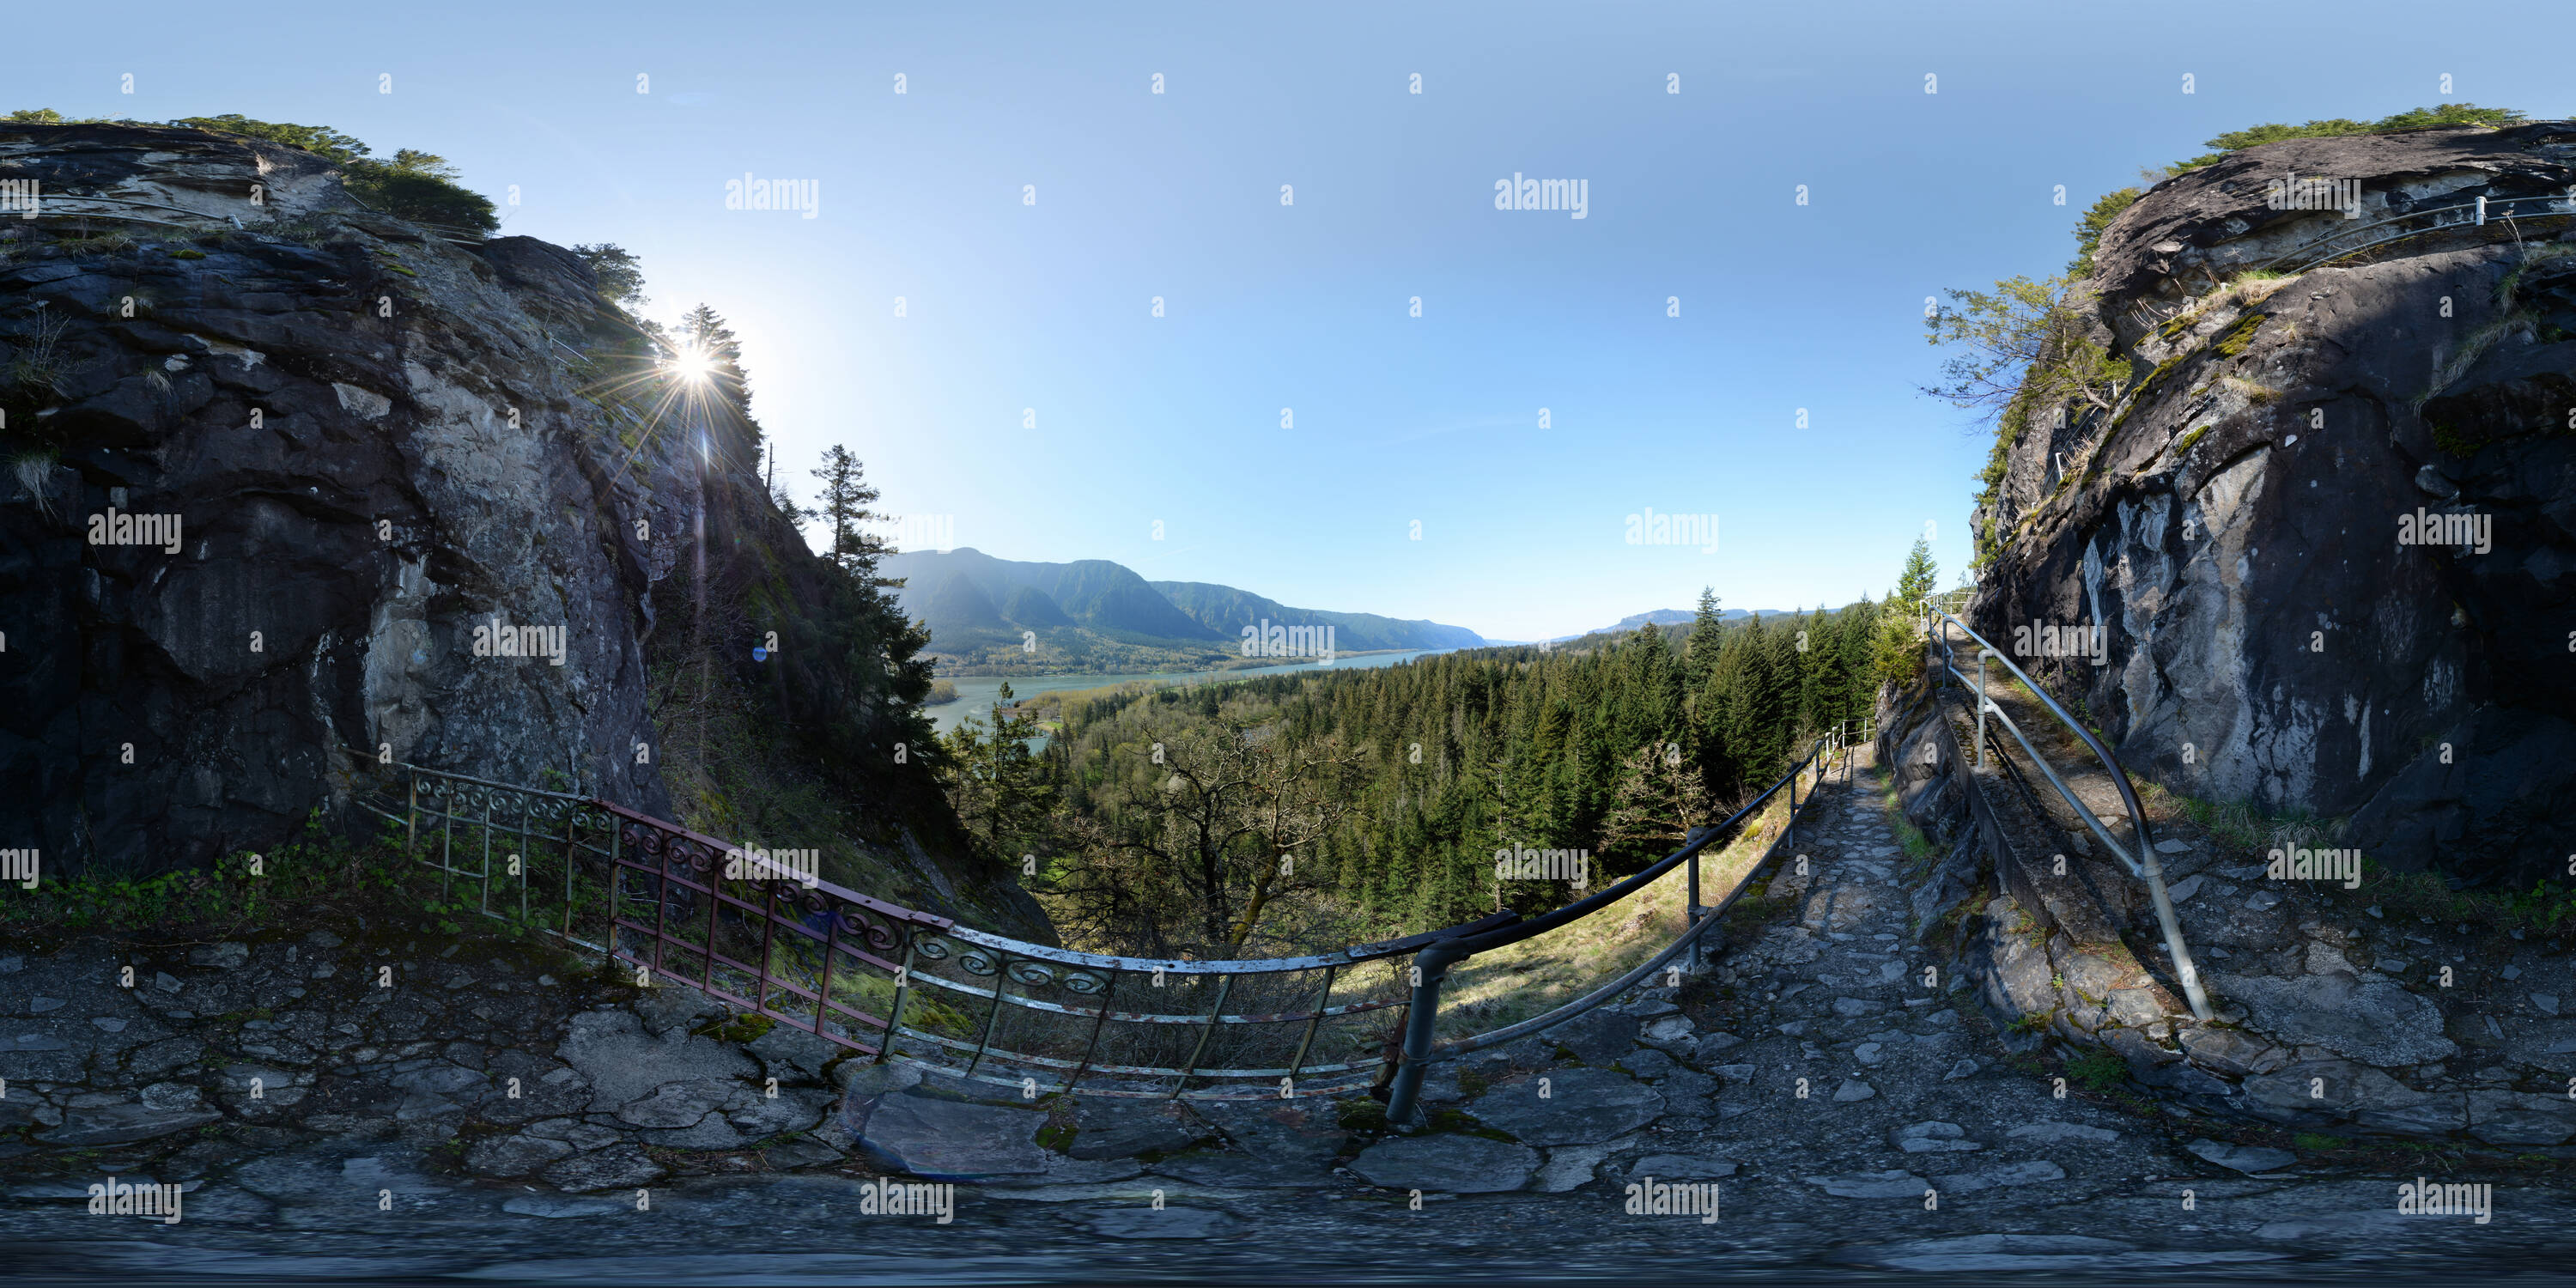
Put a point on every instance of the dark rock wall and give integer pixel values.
(373, 445)
(2234, 525)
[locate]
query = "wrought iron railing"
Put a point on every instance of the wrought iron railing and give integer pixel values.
(894, 983)
(889, 982)
(2143, 864)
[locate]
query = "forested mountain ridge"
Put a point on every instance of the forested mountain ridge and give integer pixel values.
(1289, 811)
(1225, 609)
(1006, 616)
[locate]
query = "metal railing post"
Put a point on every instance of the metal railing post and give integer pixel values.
(2144, 866)
(1430, 966)
(1981, 706)
(1793, 808)
(1693, 918)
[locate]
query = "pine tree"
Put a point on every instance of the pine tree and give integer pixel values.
(1708, 634)
(1000, 792)
(1915, 584)
(1661, 796)
(843, 508)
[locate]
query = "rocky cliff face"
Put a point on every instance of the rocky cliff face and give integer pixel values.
(296, 488)
(2329, 530)
(352, 446)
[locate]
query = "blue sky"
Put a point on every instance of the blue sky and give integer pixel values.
(1396, 419)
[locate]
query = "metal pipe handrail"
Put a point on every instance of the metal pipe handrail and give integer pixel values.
(2145, 865)
(2311, 254)
(1581, 908)
(1702, 919)
(1991, 707)
(1432, 964)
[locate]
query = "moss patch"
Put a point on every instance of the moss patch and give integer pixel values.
(739, 1028)
(1363, 1114)
(2241, 336)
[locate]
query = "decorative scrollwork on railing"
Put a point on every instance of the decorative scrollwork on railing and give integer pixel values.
(1038, 974)
(847, 923)
(672, 853)
(974, 959)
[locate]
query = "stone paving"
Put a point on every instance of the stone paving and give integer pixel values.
(1841, 1091)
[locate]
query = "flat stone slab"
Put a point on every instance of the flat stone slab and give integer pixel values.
(1569, 1107)
(674, 1105)
(1076, 1171)
(1120, 1129)
(1713, 1047)
(617, 1167)
(1872, 1185)
(1233, 1169)
(557, 1207)
(610, 1048)
(1279, 1130)
(1571, 1167)
(2377, 1022)
(1170, 1223)
(2249, 1159)
(514, 1155)
(949, 1140)
(1934, 1138)
(1683, 1167)
(2051, 1131)
(2520, 1118)
(124, 1124)
(1597, 1036)
(1853, 1089)
(1447, 1164)
(2009, 1174)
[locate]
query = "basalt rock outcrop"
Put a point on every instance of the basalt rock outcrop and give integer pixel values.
(363, 448)
(390, 497)
(2330, 525)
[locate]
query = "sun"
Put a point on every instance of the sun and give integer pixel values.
(693, 364)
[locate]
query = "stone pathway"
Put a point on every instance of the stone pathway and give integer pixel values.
(1851, 1111)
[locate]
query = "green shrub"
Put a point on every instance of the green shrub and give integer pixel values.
(2098, 1071)
(2418, 118)
(418, 186)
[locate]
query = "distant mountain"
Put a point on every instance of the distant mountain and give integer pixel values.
(1663, 617)
(1223, 608)
(967, 594)
(1095, 615)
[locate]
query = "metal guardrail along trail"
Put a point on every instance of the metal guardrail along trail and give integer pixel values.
(894, 983)
(1431, 965)
(2379, 232)
(2143, 865)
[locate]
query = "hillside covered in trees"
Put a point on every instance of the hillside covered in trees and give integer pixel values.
(1287, 811)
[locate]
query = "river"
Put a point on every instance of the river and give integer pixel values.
(977, 693)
